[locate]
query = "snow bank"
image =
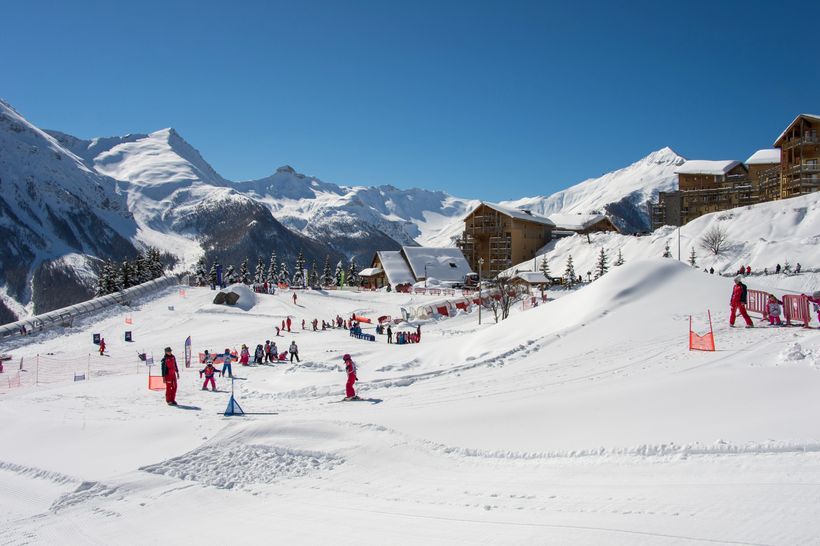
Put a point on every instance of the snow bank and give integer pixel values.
(247, 297)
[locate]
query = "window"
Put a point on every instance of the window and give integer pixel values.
(453, 265)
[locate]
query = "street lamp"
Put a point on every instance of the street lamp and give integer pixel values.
(480, 263)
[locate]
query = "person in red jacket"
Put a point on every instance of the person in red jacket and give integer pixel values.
(350, 368)
(102, 346)
(170, 374)
(738, 303)
(209, 371)
(287, 321)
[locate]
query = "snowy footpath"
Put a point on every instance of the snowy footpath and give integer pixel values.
(585, 420)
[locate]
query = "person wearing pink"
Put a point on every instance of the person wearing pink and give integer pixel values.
(814, 299)
(748, 270)
(350, 368)
(244, 355)
(738, 303)
(209, 371)
(773, 311)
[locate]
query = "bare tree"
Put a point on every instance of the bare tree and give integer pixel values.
(715, 240)
(502, 298)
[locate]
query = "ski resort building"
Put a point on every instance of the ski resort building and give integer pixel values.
(414, 264)
(800, 153)
(569, 224)
(789, 169)
(502, 236)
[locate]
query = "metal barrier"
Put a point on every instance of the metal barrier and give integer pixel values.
(65, 316)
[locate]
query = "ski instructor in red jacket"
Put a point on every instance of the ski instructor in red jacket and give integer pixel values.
(738, 303)
(170, 374)
(350, 368)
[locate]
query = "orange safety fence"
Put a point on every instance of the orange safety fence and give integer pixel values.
(796, 308)
(155, 383)
(705, 342)
(129, 319)
(757, 302)
(357, 318)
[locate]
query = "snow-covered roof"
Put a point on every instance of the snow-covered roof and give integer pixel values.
(764, 157)
(575, 222)
(444, 264)
(518, 214)
(532, 277)
(705, 166)
(370, 271)
(811, 117)
(395, 267)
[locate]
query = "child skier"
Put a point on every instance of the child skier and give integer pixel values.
(274, 352)
(259, 355)
(227, 361)
(244, 355)
(773, 310)
(815, 301)
(209, 371)
(350, 368)
(102, 346)
(294, 351)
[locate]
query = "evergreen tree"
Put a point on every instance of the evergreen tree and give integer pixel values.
(244, 274)
(230, 275)
(569, 272)
(693, 258)
(110, 274)
(101, 282)
(284, 273)
(353, 273)
(620, 260)
(545, 267)
(299, 270)
(313, 275)
(601, 267)
(212, 273)
(154, 263)
(260, 277)
(327, 276)
(339, 275)
(272, 268)
(787, 267)
(124, 276)
(200, 274)
(666, 252)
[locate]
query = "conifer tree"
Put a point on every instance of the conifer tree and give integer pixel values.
(339, 275)
(353, 273)
(284, 273)
(313, 275)
(212, 274)
(666, 252)
(545, 267)
(620, 260)
(601, 266)
(230, 275)
(272, 268)
(569, 272)
(110, 275)
(101, 282)
(124, 276)
(299, 270)
(259, 278)
(244, 274)
(154, 263)
(200, 274)
(327, 276)
(693, 258)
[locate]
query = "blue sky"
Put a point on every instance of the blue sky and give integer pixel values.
(491, 100)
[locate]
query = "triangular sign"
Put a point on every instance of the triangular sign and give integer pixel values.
(233, 408)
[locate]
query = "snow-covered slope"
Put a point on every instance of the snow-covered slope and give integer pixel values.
(585, 420)
(760, 236)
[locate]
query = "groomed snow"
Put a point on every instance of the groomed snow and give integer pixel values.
(582, 421)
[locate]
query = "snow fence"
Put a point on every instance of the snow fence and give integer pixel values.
(64, 316)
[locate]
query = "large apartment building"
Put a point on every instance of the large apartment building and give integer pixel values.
(502, 236)
(789, 169)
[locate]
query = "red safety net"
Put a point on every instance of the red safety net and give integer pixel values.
(462, 305)
(155, 383)
(385, 318)
(796, 308)
(442, 310)
(705, 342)
(357, 318)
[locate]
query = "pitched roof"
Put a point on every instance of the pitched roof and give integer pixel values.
(518, 214)
(810, 117)
(705, 166)
(370, 271)
(575, 222)
(764, 157)
(444, 264)
(531, 277)
(395, 267)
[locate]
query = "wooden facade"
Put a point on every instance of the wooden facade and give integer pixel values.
(502, 237)
(800, 156)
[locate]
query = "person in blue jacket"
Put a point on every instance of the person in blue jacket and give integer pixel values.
(227, 360)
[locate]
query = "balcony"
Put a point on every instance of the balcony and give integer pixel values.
(805, 140)
(804, 168)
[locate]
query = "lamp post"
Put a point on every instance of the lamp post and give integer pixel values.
(480, 263)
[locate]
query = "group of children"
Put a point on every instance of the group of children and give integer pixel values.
(774, 309)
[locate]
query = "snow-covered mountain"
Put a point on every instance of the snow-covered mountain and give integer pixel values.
(55, 212)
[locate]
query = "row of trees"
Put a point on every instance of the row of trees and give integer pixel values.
(146, 266)
(571, 277)
(275, 272)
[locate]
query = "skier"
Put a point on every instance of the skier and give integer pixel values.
(288, 321)
(738, 303)
(294, 298)
(748, 270)
(244, 355)
(227, 361)
(303, 324)
(773, 310)
(170, 374)
(259, 355)
(418, 333)
(209, 371)
(274, 351)
(389, 334)
(350, 368)
(277, 331)
(711, 270)
(102, 346)
(777, 269)
(815, 301)
(283, 325)
(798, 268)
(294, 351)
(267, 351)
